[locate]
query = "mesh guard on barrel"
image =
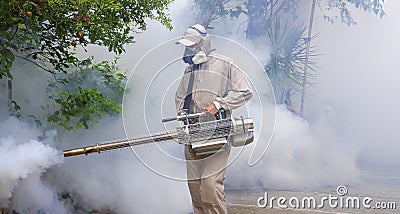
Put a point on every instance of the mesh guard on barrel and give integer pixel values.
(213, 136)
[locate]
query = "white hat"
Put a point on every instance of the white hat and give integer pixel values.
(193, 35)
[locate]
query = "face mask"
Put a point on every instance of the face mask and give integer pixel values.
(199, 57)
(188, 56)
(191, 57)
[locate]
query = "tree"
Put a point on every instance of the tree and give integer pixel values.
(288, 56)
(341, 7)
(259, 13)
(48, 32)
(84, 94)
(345, 17)
(289, 59)
(305, 73)
(210, 11)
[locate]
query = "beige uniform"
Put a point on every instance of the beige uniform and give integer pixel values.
(217, 79)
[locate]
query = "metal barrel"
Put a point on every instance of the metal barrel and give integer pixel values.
(112, 145)
(198, 134)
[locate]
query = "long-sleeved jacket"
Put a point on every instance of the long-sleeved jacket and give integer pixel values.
(218, 79)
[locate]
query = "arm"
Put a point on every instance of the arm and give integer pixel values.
(180, 97)
(239, 91)
(180, 93)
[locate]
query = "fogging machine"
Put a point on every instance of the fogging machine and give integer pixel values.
(202, 137)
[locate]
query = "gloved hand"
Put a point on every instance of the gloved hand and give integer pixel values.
(211, 109)
(191, 120)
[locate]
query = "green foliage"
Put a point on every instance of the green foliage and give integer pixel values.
(76, 106)
(211, 11)
(105, 76)
(37, 121)
(15, 109)
(287, 59)
(258, 12)
(47, 31)
(288, 55)
(78, 109)
(342, 7)
(7, 58)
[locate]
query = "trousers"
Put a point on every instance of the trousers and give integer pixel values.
(206, 175)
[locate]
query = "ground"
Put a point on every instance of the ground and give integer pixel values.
(380, 187)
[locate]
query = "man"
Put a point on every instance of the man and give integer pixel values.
(211, 83)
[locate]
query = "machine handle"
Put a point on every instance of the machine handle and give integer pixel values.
(182, 117)
(168, 119)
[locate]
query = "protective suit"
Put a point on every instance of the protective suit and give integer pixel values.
(217, 82)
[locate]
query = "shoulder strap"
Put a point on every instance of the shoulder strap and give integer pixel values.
(188, 98)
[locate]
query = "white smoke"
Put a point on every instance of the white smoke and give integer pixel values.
(34, 196)
(23, 160)
(351, 114)
(300, 157)
(303, 154)
(346, 130)
(359, 83)
(115, 180)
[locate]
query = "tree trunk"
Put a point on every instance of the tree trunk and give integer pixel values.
(256, 26)
(304, 85)
(9, 84)
(208, 12)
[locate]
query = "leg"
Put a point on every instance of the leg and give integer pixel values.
(194, 170)
(212, 183)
